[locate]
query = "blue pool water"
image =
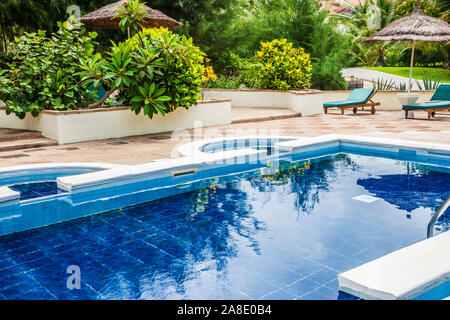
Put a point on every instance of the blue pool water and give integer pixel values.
(269, 236)
(32, 184)
(34, 190)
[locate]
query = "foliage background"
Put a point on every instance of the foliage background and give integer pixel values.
(230, 32)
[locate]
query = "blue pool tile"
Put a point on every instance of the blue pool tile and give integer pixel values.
(245, 282)
(36, 189)
(346, 296)
(167, 244)
(301, 287)
(321, 293)
(323, 276)
(279, 295)
(24, 292)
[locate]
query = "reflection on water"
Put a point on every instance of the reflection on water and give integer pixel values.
(284, 233)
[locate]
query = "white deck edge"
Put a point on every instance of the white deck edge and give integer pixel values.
(60, 165)
(192, 156)
(373, 141)
(192, 149)
(8, 196)
(107, 177)
(402, 274)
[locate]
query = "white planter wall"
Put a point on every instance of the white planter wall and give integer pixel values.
(308, 102)
(117, 122)
(251, 98)
(305, 102)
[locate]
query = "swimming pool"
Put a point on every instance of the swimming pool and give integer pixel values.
(282, 228)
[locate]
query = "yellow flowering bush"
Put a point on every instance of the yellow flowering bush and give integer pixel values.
(284, 67)
(208, 75)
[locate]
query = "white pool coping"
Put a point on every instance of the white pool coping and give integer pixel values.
(362, 140)
(143, 171)
(8, 195)
(192, 156)
(38, 167)
(193, 149)
(402, 274)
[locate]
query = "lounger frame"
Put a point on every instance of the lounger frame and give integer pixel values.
(368, 103)
(431, 112)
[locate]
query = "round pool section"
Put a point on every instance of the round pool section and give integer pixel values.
(259, 143)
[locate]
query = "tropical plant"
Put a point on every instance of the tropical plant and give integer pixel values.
(383, 84)
(362, 21)
(42, 72)
(130, 14)
(444, 5)
(155, 71)
(428, 83)
(403, 86)
(208, 76)
(429, 7)
(284, 67)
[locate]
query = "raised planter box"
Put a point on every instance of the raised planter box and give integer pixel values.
(307, 102)
(117, 122)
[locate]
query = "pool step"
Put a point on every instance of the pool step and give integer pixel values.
(14, 145)
(16, 139)
(15, 134)
(419, 271)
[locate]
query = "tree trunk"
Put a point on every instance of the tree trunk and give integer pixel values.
(446, 64)
(100, 102)
(5, 41)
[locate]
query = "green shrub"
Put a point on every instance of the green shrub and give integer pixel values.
(41, 72)
(226, 82)
(284, 67)
(327, 74)
(156, 71)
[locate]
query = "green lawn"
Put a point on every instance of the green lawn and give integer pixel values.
(418, 72)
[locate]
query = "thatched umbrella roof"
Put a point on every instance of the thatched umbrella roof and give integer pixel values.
(416, 26)
(103, 18)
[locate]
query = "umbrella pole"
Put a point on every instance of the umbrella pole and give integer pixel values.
(411, 66)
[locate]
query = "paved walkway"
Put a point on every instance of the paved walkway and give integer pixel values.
(14, 139)
(142, 149)
(370, 75)
(246, 114)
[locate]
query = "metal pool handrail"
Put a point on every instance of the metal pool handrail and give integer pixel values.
(436, 216)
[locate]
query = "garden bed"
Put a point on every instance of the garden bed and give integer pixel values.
(117, 122)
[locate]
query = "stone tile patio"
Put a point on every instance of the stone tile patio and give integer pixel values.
(141, 149)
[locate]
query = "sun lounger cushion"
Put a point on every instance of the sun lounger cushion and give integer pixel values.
(342, 103)
(442, 93)
(358, 96)
(428, 105)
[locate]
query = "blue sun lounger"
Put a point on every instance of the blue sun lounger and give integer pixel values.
(359, 98)
(440, 101)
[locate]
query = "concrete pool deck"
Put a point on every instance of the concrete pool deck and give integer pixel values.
(146, 148)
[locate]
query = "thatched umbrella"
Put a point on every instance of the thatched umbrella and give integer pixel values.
(103, 18)
(417, 26)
